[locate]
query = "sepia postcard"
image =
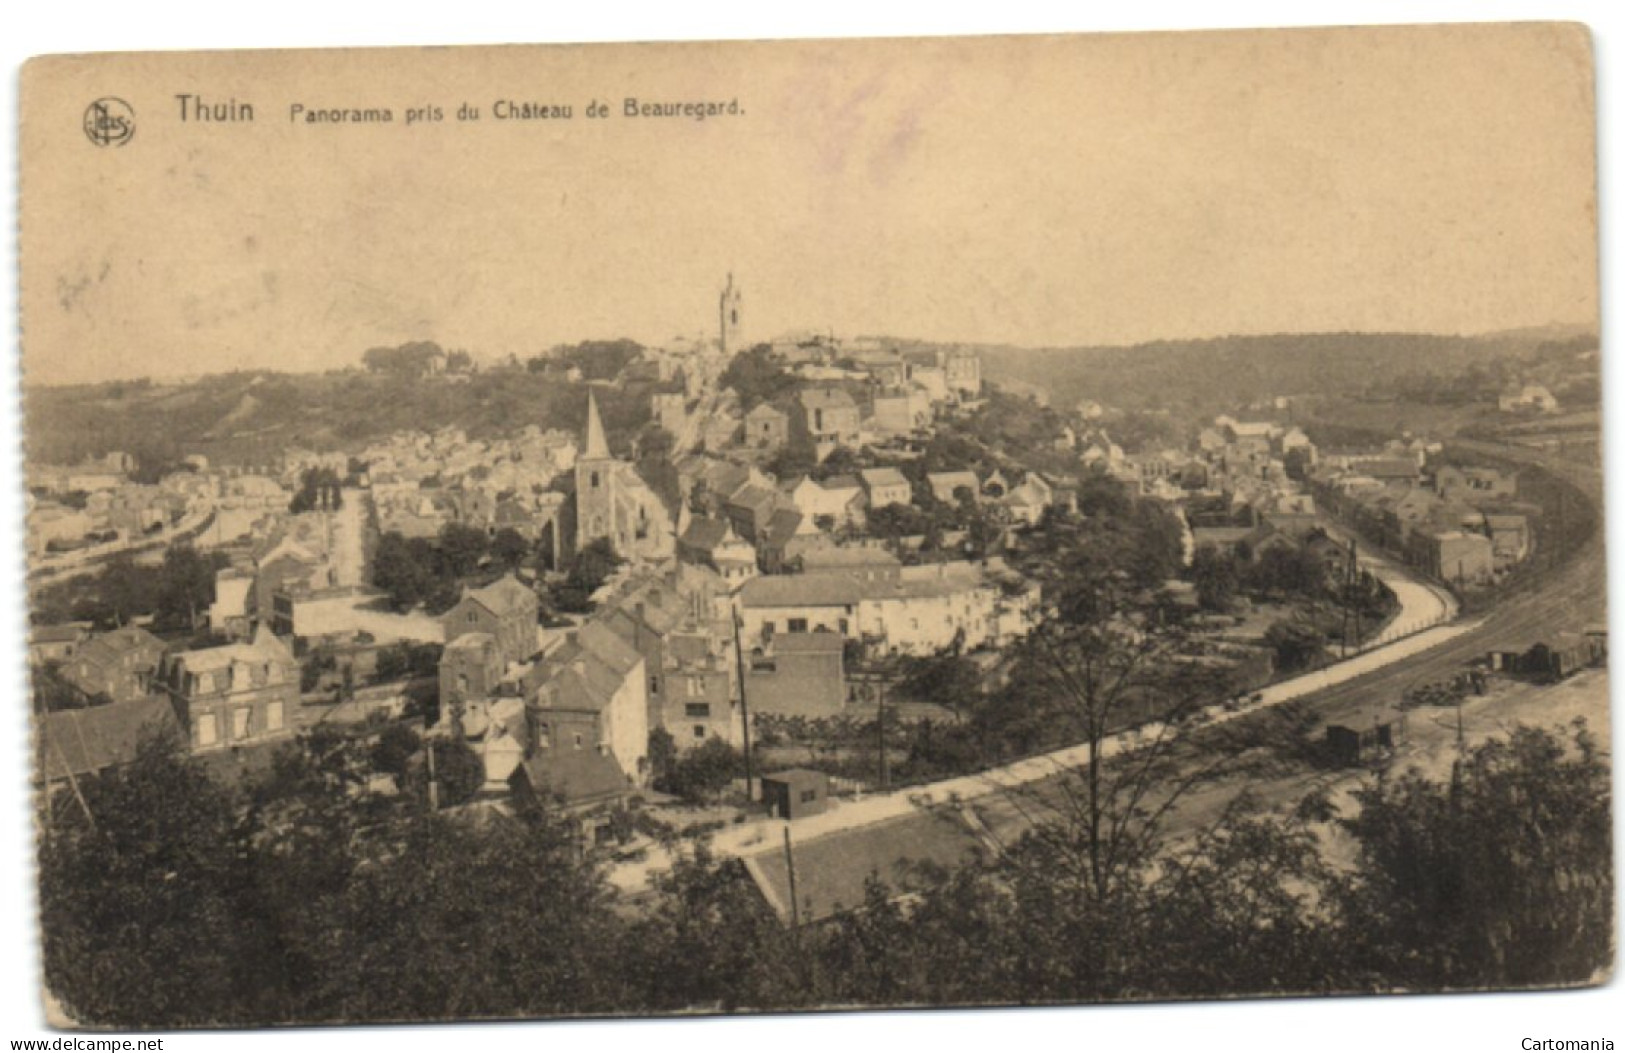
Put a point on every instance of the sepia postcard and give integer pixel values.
(659, 529)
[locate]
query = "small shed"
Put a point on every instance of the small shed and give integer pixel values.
(1366, 736)
(795, 793)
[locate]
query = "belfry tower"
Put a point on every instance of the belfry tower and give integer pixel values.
(595, 483)
(730, 317)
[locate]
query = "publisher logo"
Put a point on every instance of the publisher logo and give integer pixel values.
(109, 122)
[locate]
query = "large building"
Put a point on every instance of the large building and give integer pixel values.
(613, 502)
(234, 695)
(114, 667)
(488, 630)
(593, 696)
(915, 610)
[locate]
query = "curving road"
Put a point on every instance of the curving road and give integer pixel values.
(1572, 597)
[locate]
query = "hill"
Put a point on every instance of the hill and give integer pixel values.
(250, 418)
(1206, 376)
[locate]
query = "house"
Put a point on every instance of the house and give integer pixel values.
(1528, 397)
(1509, 537)
(868, 562)
(797, 675)
(230, 613)
(1027, 501)
(750, 508)
(1455, 556)
(825, 418)
(899, 411)
(234, 694)
(688, 661)
(767, 427)
(114, 667)
(919, 610)
(585, 785)
(711, 542)
(789, 537)
(886, 486)
(74, 743)
(1367, 736)
(945, 486)
(593, 694)
(836, 502)
(56, 643)
(506, 610)
(795, 793)
(471, 667)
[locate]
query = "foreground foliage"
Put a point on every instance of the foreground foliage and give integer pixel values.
(170, 900)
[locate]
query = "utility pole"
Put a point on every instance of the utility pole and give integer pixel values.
(434, 787)
(744, 709)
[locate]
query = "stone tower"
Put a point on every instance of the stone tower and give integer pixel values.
(730, 318)
(595, 483)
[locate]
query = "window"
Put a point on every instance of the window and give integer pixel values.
(273, 717)
(699, 731)
(845, 626)
(594, 482)
(697, 709)
(695, 685)
(208, 730)
(578, 740)
(767, 628)
(654, 685)
(239, 723)
(798, 625)
(763, 665)
(808, 796)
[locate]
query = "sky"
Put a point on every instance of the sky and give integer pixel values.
(1035, 191)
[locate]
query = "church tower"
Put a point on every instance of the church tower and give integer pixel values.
(730, 318)
(595, 483)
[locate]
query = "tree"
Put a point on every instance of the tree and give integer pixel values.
(705, 771)
(405, 569)
(655, 442)
(593, 566)
(758, 376)
(457, 769)
(1500, 877)
(186, 586)
(139, 923)
(1215, 578)
(509, 548)
(396, 746)
(464, 547)
(1297, 645)
(320, 490)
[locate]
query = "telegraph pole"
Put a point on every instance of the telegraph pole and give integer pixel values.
(744, 710)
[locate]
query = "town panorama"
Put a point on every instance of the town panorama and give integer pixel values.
(767, 671)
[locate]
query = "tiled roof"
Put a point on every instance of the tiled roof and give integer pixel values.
(87, 740)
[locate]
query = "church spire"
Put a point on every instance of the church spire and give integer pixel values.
(597, 447)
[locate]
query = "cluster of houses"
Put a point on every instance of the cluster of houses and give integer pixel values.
(72, 508)
(1460, 524)
(866, 396)
(127, 683)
